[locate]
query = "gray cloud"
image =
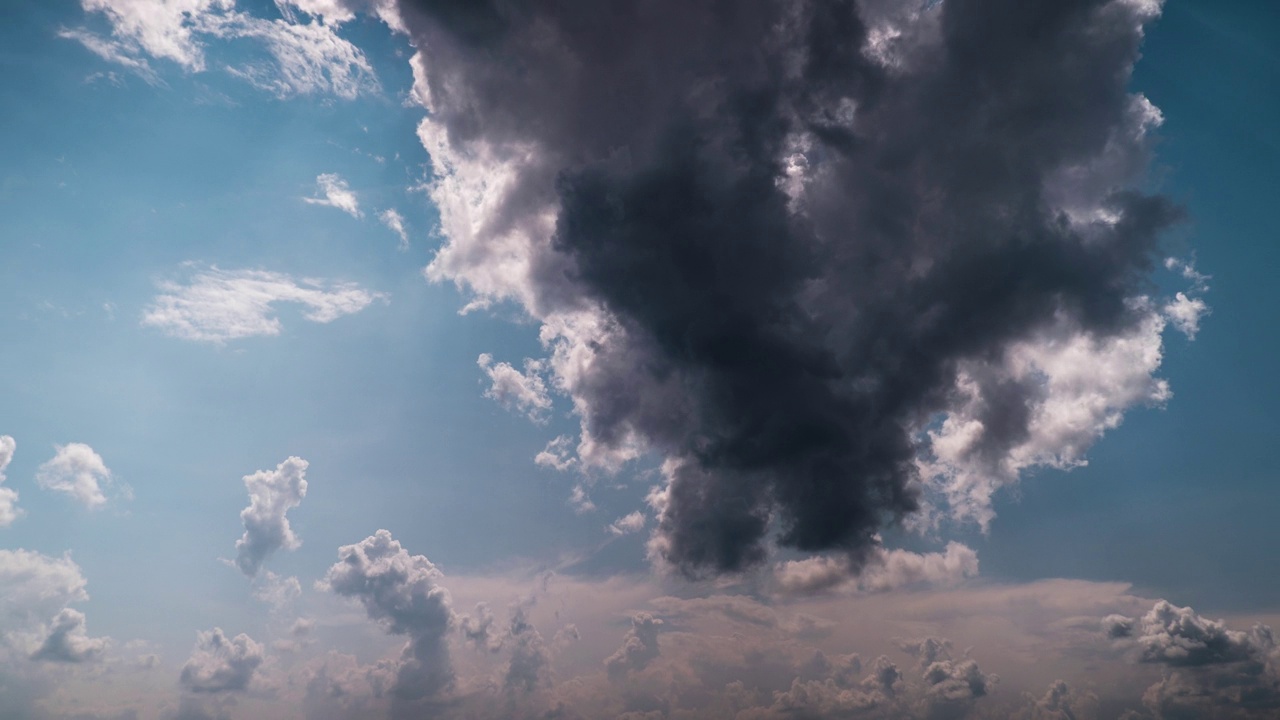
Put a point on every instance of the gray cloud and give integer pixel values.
(530, 665)
(69, 642)
(639, 647)
(272, 493)
(771, 241)
(1212, 670)
(403, 593)
(220, 664)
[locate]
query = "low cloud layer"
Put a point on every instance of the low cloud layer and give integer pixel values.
(272, 494)
(216, 306)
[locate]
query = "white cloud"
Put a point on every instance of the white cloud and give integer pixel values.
(220, 305)
(404, 594)
(395, 222)
(36, 585)
(628, 524)
(334, 192)
(77, 471)
(221, 664)
(1185, 313)
(9, 510)
(307, 57)
(272, 493)
(525, 391)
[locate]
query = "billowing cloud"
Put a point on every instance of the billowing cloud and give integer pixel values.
(306, 57)
(333, 191)
(34, 585)
(1213, 671)
(841, 264)
(523, 392)
(216, 305)
(272, 494)
(403, 593)
(68, 640)
(529, 667)
(221, 664)
(9, 510)
(395, 223)
(78, 471)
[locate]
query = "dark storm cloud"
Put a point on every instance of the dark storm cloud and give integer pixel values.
(799, 228)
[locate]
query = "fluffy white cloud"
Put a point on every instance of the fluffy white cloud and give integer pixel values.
(68, 640)
(272, 493)
(9, 510)
(221, 664)
(522, 391)
(307, 57)
(33, 585)
(78, 471)
(395, 222)
(403, 593)
(1185, 313)
(333, 191)
(219, 305)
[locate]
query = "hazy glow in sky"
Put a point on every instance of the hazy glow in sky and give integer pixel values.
(674, 359)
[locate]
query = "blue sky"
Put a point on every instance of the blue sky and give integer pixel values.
(130, 180)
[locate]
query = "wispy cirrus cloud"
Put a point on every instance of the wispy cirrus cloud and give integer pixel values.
(306, 58)
(216, 305)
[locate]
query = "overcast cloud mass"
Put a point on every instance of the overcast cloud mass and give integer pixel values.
(674, 359)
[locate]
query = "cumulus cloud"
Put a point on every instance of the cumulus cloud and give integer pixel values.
(639, 647)
(272, 494)
(524, 392)
(216, 306)
(529, 667)
(220, 664)
(333, 191)
(33, 585)
(9, 510)
(403, 593)
(781, 264)
(305, 57)
(78, 471)
(68, 641)
(395, 223)
(1213, 671)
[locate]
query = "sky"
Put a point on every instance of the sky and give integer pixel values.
(791, 359)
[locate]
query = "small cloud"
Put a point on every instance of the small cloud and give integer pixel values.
(333, 191)
(524, 392)
(218, 305)
(272, 493)
(395, 222)
(78, 471)
(628, 524)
